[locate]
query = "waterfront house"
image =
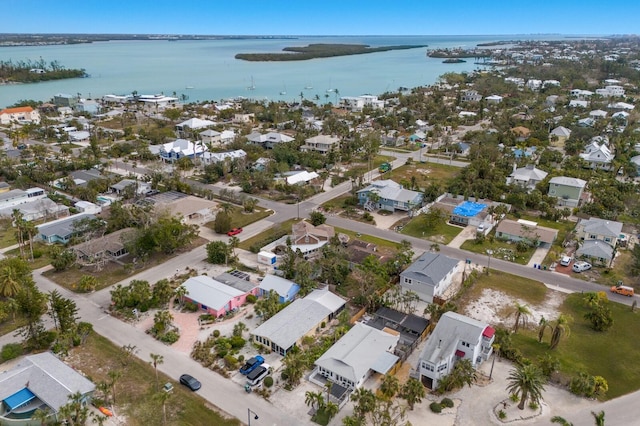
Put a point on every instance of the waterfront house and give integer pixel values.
(389, 195)
(41, 381)
(218, 298)
(567, 190)
(304, 317)
(285, 289)
(64, 100)
(321, 143)
(455, 337)
(359, 354)
(357, 103)
(19, 115)
(89, 106)
(429, 276)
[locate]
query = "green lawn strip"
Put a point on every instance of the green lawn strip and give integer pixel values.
(379, 159)
(613, 354)
(336, 203)
(443, 233)
(269, 235)
(9, 325)
(240, 219)
(41, 255)
(380, 242)
(137, 387)
(501, 250)
(530, 291)
(8, 238)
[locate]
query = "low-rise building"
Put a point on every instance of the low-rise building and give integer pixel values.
(526, 177)
(61, 230)
(268, 140)
(525, 230)
(218, 297)
(321, 143)
(19, 115)
(389, 195)
(429, 276)
(569, 191)
(597, 238)
(286, 290)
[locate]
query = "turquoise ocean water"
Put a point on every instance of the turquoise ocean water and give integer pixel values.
(207, 70)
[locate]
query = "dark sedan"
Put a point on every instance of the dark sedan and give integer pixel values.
(190, 382)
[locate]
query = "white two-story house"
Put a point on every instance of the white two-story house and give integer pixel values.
(429, 276)
(455, 337)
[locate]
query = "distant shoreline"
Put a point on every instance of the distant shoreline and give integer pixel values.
(320, 50)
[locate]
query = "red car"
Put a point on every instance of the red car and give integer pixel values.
(234, 231)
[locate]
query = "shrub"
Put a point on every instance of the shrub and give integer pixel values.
(240, 358)
(533, 405)
(446, 402)
(323, 324)
(502, 415)
(514, 397)
(251, 298)
(10, 351)
(216, 333)
(191, 307)
(268, 381)
(237, 342)
(435, 407)
(231, 362)
(170, 337)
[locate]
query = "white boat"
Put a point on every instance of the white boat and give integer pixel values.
(308, 87)
(253, 86)
(189, 87)
(284, 91)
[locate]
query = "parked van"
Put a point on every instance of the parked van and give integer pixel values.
(581, 266)
(256, 376)
(623, 290)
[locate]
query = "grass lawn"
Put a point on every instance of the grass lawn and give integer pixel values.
(41, 252)
(531, 291)
(8, 238)
(425, 173)
(240, 219)
(268, 236)
(564, 227)
(337, 203)
(320, 417)
(136, 388)
(9, 325)
(380, 242)
(501, 250)
(379, 159)
(613, 354)
(443, 233)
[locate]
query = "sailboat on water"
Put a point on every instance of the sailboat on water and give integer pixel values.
(284, 91)
(253, 86)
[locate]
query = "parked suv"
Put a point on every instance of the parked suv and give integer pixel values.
(581, 266)
(256, 376)
(565, 261)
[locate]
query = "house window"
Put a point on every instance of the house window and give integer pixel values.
(408, 281)
(607, 240)
(593, 236)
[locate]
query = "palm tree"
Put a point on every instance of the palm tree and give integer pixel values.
(542, 327)
(561, 421)
(156, 360)
(41, 415)
(162, 320)
(527, 381)
(180, 291)
(314, 399)
(10, 284)
(163, 397)
(390, 386)
(598, 417)
(522, 314)
(365, 402)
(331, 409)
(560, 328)
(413, 392)
(234, 242)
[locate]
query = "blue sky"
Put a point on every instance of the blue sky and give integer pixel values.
(321, 17)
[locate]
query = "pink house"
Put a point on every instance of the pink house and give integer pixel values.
(218, 296)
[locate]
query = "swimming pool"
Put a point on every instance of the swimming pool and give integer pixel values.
(469, 209)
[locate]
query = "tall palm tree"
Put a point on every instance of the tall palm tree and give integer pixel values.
(114, 375)
(10, 283)
(560, 328)
(526, 381)
(542, 327)
(156, 360)
(521, 314)
(390, 386)
(412, 392)
(180, 291)
(331, 409)
(163, 397)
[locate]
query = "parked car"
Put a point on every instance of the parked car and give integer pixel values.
(190, 382)
(256, 376)
(581, 266)
(623, 290)
(234, 231)
(565, 261)
(251, 364)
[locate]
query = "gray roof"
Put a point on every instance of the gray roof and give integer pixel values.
(607, 228)
(62, 227)
(299, 318)
(595, 248)
(277, 284)
(238, 280)
(209, 292)
(87, 175)
(42, 206)
(124, 183)
(451, 328)
(50, 379)
(391, 190)
(568, 181)
(11, 194)
(528, 173)
(430, 268)
(362, 349)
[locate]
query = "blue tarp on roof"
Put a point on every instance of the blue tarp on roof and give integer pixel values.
(19, 398)
(469, 209)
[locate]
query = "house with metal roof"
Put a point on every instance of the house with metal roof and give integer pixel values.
(597, 155)
(525, 230)
(567, 190)
(268, 140)
(598, 238)
(37, 209)
(526, 177)
(216, 297)
(187, 127)
(286, 290)
(360, 353)
(303, 317)
(558, 136)
(454, 338)
(61, 230)
(389, 195)
(429, 276)
(40, 381)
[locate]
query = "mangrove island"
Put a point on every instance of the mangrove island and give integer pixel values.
(320, 50)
